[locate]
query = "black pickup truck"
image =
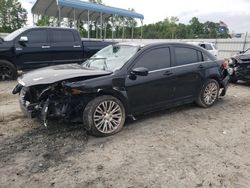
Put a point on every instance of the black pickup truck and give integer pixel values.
(34, 47)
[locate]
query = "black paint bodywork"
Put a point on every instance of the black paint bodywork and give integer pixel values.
(241, 66)
(66, 96)
(27, 56)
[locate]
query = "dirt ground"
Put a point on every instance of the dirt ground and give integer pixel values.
(182, 147)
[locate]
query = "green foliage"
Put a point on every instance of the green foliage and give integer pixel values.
(12, 15)
(46, 21)
(171, 29)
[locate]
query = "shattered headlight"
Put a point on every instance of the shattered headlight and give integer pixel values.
(20, 81)
(230, 71)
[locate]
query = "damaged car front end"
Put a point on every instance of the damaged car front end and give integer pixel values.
(51, 95)
(239, 67)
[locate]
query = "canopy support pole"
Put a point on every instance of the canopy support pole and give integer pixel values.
(88, 26)
(132, 34)
(74, 18)
(112, 20)
(96, 30)
(141, 29)
(59, 16)
(33, 19)
(105, 31)
(123, 28)
(101, 26)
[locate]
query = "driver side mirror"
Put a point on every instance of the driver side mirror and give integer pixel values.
(23, 39)
(140, 71)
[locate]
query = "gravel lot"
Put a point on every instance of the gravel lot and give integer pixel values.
(182, 147)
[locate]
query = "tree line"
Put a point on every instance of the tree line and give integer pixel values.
(13, 16)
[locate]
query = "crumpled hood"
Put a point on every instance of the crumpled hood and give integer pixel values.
(52, 74)
(243, 58)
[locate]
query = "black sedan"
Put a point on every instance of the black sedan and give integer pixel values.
(123, 80)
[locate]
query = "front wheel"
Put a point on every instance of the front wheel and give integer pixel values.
(7, 70)
(104, 116)
(209, 94)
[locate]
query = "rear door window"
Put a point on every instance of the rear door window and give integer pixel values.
(37, 36)
(155, 59)
(184, 55)
(62, 36)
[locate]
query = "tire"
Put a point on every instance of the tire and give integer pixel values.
(101, 122)
(8, 71)
(209, 94)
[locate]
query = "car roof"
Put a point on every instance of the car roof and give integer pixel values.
(143, 44)
(46, 27)
(149, 44)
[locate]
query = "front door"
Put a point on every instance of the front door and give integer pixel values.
(35, 52)
(155, 89)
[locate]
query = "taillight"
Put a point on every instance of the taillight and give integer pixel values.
(226, 64)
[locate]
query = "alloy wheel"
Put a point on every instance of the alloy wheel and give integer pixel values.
(107, 116)
(210, 93)
(5, 73)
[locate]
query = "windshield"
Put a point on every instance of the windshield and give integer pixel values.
(111, 58)
(14, 34)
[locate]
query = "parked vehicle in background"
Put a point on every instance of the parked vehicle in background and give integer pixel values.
(239, 67)
(123, 80)
(35, 47)
(211, 47)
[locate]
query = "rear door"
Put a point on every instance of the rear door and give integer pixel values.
(66, 47)
(155, 89)
(36, 52)
(189, 70)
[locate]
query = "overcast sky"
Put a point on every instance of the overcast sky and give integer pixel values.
(235, 13)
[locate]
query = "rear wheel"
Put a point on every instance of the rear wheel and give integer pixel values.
(104, 116)
(7, 71)
(209, 94)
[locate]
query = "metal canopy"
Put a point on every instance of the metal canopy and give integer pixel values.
(79, 10)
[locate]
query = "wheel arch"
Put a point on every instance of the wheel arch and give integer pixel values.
(117, 94)
(3, 59)
(217, 78)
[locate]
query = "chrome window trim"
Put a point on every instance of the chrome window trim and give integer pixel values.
(158, 70)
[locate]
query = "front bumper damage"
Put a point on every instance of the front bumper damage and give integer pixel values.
(35, 109)
(63, 107)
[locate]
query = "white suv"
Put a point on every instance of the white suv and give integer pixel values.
(208, 46)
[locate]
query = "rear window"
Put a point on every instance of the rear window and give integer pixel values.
(206, 58)
(185, 55)
(63, 36)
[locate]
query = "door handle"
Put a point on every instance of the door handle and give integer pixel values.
(167, 73)
(201, 66)
(45, 46)
(77, 46)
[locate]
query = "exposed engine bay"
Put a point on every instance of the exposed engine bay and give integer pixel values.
(53, 101)
(240, 66)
